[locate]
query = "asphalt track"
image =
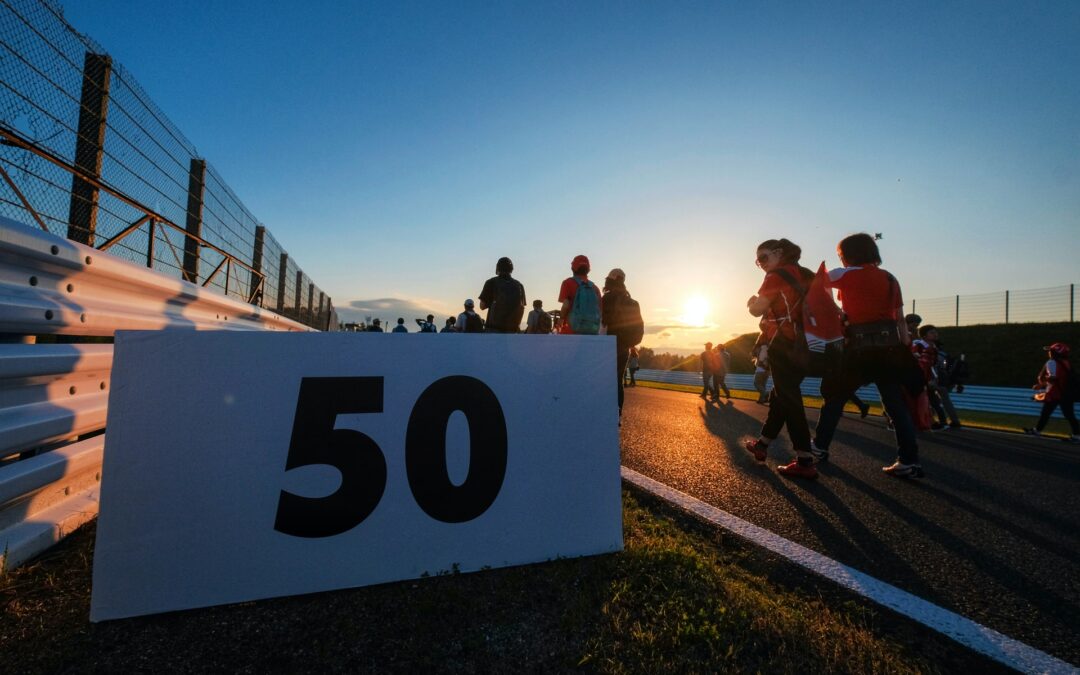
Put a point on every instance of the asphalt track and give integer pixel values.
(992, 532)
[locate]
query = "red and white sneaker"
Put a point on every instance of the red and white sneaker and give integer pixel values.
(796, 470)
(757, 449)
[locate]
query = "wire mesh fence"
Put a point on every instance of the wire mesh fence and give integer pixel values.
(87, 155)
(1025, 306)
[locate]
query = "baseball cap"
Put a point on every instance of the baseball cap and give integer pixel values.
(468, 302)
(579, 261)
(617, 275)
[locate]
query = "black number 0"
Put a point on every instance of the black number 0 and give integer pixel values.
(363, 467)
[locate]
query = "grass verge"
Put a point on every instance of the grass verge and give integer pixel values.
(1057, 428)
(681, 598)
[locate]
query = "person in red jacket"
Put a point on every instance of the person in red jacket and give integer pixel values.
(1055, 380)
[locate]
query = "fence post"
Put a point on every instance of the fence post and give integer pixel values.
(322, 299)
(256, 263)
(284, 264)
(1072, 302)
(196, 186)
(1006, 307)
(89, 147)
(310, 303)
(299, 287)
(958, 310)
(151, 235)
(913, 305)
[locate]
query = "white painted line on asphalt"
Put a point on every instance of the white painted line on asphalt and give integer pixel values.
(1012, 653)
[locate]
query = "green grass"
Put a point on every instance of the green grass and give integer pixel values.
(1057, 428)
(681, 598)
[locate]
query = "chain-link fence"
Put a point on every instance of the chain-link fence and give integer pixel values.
(1026, 306)
(86, 154)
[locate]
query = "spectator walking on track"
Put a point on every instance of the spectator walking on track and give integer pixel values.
(621, 318)
(1058, 385)
(937, 388)
(539, 321)
(780, 301)
(580, 300)
(632, 366)
(878, 348)
(504, 298)
(721, 366)
(706, 370)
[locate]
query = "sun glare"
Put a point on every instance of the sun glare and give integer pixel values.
(695, 310)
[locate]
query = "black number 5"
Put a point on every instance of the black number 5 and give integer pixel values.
(355, 455)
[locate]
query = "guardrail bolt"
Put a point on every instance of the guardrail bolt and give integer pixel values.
(33, 281)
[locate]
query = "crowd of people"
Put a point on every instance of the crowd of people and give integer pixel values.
(585, 309)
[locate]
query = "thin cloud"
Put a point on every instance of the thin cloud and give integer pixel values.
(389, 309)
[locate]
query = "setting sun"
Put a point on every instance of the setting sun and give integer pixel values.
(695, 310)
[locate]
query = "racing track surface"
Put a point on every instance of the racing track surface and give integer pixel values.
(992, 532)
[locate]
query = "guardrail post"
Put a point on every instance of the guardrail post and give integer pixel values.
(256, 261)
(89, 147)
(196, 187)
(1072, 302)
(1006, 307)
(958, 310)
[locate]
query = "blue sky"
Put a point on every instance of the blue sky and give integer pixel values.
(398, 149)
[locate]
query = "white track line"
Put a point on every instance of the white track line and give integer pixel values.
(1012, 653)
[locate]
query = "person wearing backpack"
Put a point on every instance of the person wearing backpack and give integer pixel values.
(621, 317)
(469, 321)
(504, 298)
(878, 349)
(1059, 386)
(780, 300)
(539, 321)
(580, 300)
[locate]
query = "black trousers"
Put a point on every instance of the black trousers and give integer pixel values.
(621, 357)
(1067, 405)
(785, 400)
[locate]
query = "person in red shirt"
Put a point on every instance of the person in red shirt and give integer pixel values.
(580, 267)
(877, 349)
(780, 300)
(1054, 381)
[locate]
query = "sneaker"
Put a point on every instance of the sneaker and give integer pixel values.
(903, 470)
(794, 469)
(1032, 431)
(819, 454)
(864, 410)
(757, 448)
(937, 426)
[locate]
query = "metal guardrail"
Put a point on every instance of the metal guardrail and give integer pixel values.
(54, 397)
(1013, 400)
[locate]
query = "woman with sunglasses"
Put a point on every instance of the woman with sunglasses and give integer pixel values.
(779, 301)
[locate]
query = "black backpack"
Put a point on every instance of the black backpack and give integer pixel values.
(507, 305)
(628, 326)
(473, 323)
(543, 322)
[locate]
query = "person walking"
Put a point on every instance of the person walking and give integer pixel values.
(632, 366)
(1058, 385)
(539, 321)
(721, 366)
(621, 317)
(780, 301)
(878, 350)
(580, 298)
(706, 371)
(504, 298)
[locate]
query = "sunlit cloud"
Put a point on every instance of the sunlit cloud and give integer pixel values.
(389, 309)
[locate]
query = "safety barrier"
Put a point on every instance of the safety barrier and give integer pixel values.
(1012, 400)
(54, 396)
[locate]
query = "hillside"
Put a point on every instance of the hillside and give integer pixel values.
(999, 355)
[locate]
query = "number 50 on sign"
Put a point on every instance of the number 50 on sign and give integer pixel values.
(240, 467)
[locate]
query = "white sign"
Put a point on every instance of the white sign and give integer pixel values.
(252, 465)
